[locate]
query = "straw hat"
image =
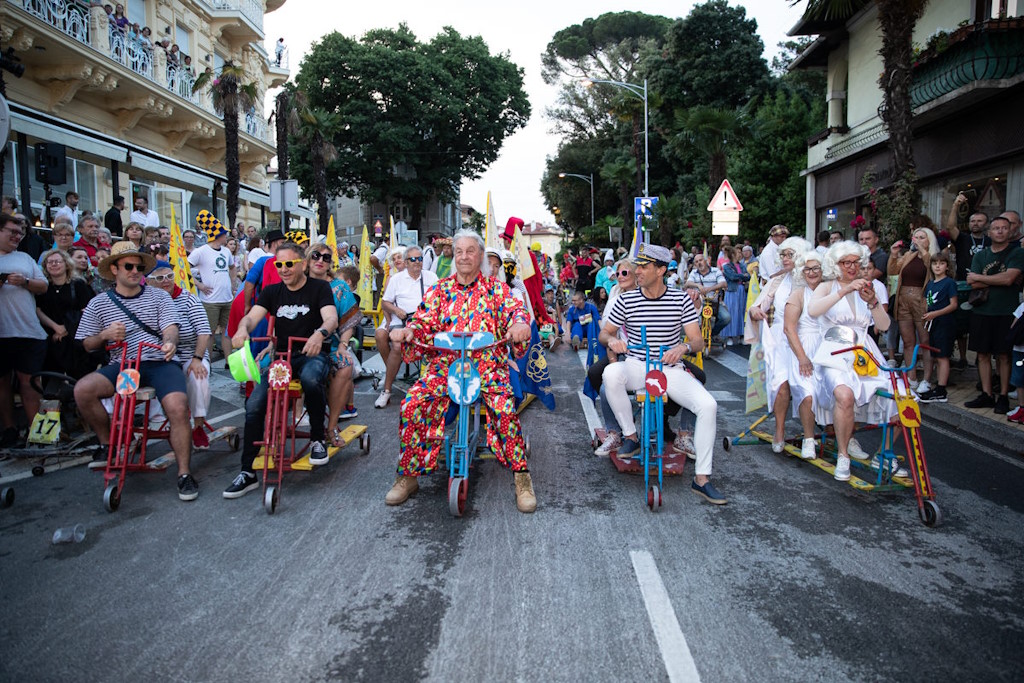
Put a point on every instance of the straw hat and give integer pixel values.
(119, 251)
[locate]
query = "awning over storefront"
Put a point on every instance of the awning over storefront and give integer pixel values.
(83, 140)
(174, 173)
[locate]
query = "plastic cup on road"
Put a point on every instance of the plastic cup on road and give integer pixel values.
(69, 534)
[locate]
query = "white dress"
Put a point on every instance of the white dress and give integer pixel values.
(773, 341)
(809, 330)
(833, 371)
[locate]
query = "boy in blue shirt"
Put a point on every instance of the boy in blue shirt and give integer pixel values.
(580, 317)
(940, 297)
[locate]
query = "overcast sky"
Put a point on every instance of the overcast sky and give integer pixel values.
(523, 30)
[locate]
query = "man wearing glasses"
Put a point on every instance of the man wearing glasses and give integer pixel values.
(304, 308)
(22, 338)
(134, 313)
(402, 296)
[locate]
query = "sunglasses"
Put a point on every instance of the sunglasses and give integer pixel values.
(281, 265)
(414, 259)
(624, 273)
(130, 266)
(160, 278)
(319, 256)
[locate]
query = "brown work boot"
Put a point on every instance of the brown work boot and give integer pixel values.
(526, 501)
(404, 487)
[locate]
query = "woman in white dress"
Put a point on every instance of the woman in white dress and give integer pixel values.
(767, 315)
(846, 305)
(803, 333)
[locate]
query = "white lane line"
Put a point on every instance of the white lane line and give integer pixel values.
(975, 446)
(226, 416)
(725, 396)
(582, 355)
(590, 412)
(728, 359)
(675, 652)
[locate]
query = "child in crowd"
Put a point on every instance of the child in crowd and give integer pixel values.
(579, 318)
(349, 321)
(1017, 364)
(940, 297)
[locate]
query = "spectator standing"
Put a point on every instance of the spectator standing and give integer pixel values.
(255, 252)
(112, 218)
(606, 276)
(966, 245)
(997, 269)
(70, 208)
(913, 271)
(63, 239)
(768, 261)
(443, 263)
(429, 255)
(279, 49)
(823, 239)
(188, 238)
(22, 338)
(142, 214)
(941, 299)
(735, 300)
(879, 259)
(60, 310)
(90, 231)
(134, 234)
(215, 270)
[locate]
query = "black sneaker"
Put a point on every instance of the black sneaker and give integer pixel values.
(933, 395)
(982, 401)
(318, 453)
(242, 484)
(1002, 406)
(188, 489)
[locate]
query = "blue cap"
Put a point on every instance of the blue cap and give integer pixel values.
(672, 265)
(159, 265)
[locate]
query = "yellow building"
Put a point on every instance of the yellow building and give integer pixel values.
(122, 102)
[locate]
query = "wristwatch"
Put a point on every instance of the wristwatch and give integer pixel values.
(324, 332)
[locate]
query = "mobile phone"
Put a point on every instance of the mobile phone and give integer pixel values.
(3, 278)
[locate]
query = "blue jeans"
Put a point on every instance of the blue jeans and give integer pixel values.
(722, 319)
(312, 374)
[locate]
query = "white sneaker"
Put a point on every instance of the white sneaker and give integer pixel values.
(900, 471)
(809, 450)
(842, 468)
(684, 442)
(778, 446)
(383, 399)
(610, 443)
(912, 384)
(303, 422)
(855, 451)
(923, 386)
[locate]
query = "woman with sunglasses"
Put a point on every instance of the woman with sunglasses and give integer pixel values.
(803, 332)
(767, 314)
(340, 390)
(845, 308)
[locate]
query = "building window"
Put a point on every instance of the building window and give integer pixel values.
(82, 177)
(986, 192)
(183, 37)
(837, 219)
(135, 11)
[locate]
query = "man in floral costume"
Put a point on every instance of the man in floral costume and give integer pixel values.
(472, 301)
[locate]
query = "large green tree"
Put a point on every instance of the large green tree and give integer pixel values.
(413, 120)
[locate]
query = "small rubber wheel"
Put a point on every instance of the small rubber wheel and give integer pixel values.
(458, 487)
(6, 497)
(270, 498)
(594, 443)
(726, 443)
(364, 443)
(234, 441)
(653, 498)
(38, 471)
(112, 497)
(529, 451)
(930, 513)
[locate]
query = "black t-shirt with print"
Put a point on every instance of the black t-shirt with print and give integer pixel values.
(297, 312)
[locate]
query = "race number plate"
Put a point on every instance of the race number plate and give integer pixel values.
(656, 383)
(585, 319)
(45, 429)
(280, 375)
(127, 382)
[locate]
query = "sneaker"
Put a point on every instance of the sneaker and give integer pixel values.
(303, 422)
(242, 484)
(609, 444)
(1002, 406)
(809, 449)
(778, 446)
(99, 461)
(383, 399)
(188, 489)
(854, 450)
(709, 492)
(899, 471)
(982, 401)
(576, 342)
(912, 384)
(924, 387)
(730, 342)
(935, 395)
(630, 447)
(842, 468)
(318, 454)
(1017, 415)
(348, 413)
(199, 439)
(684, 442)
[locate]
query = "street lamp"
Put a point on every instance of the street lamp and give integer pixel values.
(589, 179)
(639, 92)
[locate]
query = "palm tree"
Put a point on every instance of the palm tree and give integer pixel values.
(230, 97)
(709, 129)
(306, 124)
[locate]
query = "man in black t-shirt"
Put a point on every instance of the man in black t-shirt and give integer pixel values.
(303, 307)
(966, 244)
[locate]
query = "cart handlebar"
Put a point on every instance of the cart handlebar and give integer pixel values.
(913, 358)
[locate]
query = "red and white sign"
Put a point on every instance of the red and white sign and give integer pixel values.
(725, 199)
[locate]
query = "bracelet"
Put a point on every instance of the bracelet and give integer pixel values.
(197, 357)
(872, 306)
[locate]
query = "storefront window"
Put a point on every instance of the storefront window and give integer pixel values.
(986, 192)
(81, 176)
(837, 219)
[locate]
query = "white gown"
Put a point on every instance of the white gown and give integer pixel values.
(833, 371)
(809, 331)
(773, 341)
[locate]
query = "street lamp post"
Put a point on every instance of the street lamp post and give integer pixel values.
(641, 93)
(589, 179)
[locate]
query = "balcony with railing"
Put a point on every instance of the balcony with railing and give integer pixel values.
(225, 16)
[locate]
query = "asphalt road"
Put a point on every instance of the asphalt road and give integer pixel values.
(798, 578)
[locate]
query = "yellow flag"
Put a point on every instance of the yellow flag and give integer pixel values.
(179, 258)
(332, 242)
(491, 237)
(364, 288)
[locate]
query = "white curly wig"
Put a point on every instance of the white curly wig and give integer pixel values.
(798, 244)
(838, 251)
(809, 256)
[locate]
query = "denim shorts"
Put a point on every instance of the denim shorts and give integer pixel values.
(1017, 370)
(165, 378)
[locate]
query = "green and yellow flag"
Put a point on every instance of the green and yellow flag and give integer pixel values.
(332, 242)
(365, 286)
(179, 258)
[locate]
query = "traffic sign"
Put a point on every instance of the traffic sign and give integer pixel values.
(725, 199)
(643, 210)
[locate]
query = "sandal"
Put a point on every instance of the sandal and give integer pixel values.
(336, 437)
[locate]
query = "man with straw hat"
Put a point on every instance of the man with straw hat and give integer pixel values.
(132, 313)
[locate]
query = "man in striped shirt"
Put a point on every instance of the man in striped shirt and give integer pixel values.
(133, 313)
(666, 314)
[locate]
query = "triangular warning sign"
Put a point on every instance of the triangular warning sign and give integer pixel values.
(725, 199)
(377, 225)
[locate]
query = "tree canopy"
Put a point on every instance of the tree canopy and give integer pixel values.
(413, 120)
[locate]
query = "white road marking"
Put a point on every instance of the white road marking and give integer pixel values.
(226, 416)
(582, 355)
(590, 412)
(725, 396)
(731, 361)
(975, 446)
(675, 652)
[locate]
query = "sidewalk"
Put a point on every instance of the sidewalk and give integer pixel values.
(985, 425)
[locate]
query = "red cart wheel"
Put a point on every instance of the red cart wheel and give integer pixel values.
(458, 488)
(653, 498)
